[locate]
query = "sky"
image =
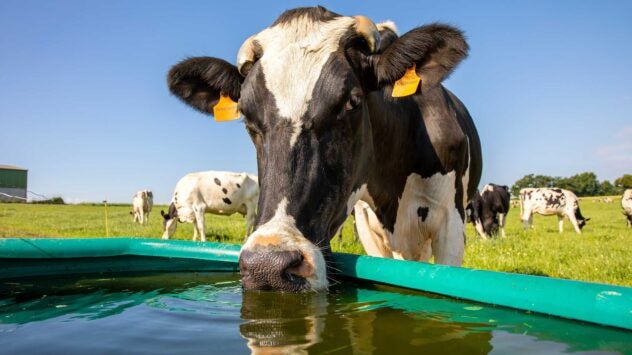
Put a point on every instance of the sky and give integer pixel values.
(85, 108)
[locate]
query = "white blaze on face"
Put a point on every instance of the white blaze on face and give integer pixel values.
(283, 227)
(294, 54)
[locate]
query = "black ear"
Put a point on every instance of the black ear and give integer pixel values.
(200, 81)
(435, 49)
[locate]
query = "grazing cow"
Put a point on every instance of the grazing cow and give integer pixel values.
(626, 204)
(216, 192)
(142, 203)
(551, 201)
(316, 92)
(488, 210)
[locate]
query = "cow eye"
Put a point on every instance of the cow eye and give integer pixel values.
(352, 103)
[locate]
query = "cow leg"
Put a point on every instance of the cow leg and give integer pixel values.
(195, 231)
(448, 245)
(502, 219)
(560, 222)
(199, 221)
(373, 237)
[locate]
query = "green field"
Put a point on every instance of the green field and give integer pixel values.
(603, 253)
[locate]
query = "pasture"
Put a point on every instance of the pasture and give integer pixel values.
(603, 253)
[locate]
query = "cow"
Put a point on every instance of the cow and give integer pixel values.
(316, 93)
(551, 201)
(488, 210)
(216, 192)
(626, 204)
(142, 203)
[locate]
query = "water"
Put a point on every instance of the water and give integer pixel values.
(209, 313)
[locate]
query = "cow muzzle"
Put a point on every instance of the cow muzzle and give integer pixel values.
(281, 267)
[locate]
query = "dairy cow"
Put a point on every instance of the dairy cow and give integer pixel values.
(316, 93)
(216, 192)
(142, 203)
(488, 210)
(626, 204)
(548, 202)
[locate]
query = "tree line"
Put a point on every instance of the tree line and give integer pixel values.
(582, 184)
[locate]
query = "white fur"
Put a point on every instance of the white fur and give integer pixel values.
(537, 204)
(443, 228)
(294, 54)
(197, 193)
(389, 25)
(283, 226)
(142, 203)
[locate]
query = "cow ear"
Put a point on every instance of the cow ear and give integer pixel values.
(200, 81)
(435, 50)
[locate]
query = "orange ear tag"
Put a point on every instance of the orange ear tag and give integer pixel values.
(225, 109)
(408, 83)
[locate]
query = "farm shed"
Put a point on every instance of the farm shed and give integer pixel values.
(13, 181)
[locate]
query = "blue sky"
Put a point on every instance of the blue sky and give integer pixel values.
(84, 105)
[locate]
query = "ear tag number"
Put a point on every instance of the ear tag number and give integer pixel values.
(225, 109)
(408, 83)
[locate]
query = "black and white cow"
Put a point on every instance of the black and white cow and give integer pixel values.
(626, 204)
(216, 192)
(142, 203)
(548, 202)
(488, 210)
(315, 92)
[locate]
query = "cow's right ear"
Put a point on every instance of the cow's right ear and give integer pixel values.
(200, 81)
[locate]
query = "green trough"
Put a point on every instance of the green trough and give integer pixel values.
(583, 301)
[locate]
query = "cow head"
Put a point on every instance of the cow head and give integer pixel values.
(169, 219)
(302, 86)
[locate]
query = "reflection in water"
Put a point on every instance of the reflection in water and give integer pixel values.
(207, 312)
(282, 322)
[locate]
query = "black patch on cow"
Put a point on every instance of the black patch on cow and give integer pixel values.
(423, 213)
(317, 13)
(217, 182)
(227, 200)
(238, 186)
(224, 190)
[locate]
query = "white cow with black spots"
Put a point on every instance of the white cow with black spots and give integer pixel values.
(216, 192)
(142, 203)
(548, 202)
(626, 204)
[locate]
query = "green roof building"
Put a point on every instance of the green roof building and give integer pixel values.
(13, 183)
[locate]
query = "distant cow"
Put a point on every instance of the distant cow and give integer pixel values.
(488, 210)
(626, 204)
(142, 203)
(551, 201)
(216, 192)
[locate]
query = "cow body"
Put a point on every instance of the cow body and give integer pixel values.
(548, 202)
(626, 204)
(142, 203)
(488, 210)
(216, 192)
(315, 91)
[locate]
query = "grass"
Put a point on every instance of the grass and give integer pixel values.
(603, 253)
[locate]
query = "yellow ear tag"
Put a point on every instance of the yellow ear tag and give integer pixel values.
(225, 109)
(408, 83)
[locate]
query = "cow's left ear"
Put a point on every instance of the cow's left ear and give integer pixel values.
(200, 81)
(434, 49)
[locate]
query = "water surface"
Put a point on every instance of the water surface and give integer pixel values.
(209, 313)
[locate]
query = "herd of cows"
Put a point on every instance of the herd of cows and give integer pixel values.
(346, 116)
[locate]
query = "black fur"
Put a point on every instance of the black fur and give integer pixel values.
(199, 82)
(436, 49)
(486, 206)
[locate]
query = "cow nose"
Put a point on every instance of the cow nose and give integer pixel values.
(271, 270)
